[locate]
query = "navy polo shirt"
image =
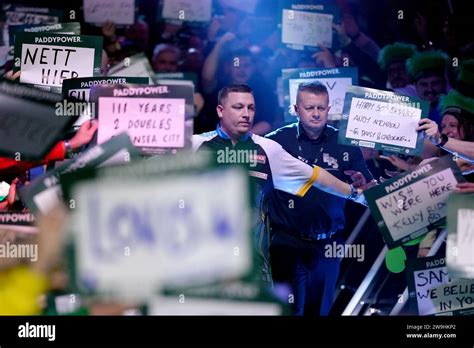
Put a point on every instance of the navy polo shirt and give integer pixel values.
(317, 211)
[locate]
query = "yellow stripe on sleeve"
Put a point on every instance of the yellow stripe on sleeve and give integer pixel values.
(307, 185)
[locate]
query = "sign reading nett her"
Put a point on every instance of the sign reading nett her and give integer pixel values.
(117, 11)
(382, 120)
(188, 10)
(47, 59)
(306, 28)
(411, 204)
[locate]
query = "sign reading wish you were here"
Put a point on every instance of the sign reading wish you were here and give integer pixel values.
(413, 203)
(382, 120)
(45, 59)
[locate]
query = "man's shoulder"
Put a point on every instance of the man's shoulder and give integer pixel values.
(282, 132)
(199, 139)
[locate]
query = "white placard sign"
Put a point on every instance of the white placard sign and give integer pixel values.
(188, 10)
(382, 122)
(425, 283)
(117, 11)
(307, 28)
(150, 122)
(417, 205)
(129, 240)
(49, 65)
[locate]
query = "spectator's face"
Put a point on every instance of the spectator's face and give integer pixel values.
(450, 127)
(237, 112)
(430, 88)
(166, 61)
(312, 110)
(242, 69)
(397, 75)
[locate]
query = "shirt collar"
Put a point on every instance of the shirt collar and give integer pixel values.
(224, 135)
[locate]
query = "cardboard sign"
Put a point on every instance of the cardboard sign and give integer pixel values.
(44, 193)
(79, 89)
(70, 28)
(165, 220)
(429, 281)
(413, 203)
(303, 28)
(460, 242)
(336, 80)
(29, 127)
(187, 10)
(17, 221)
(382, 120)
(16, 15)
(134, 66)
(46, 59)
(117, 11)
(153, 116)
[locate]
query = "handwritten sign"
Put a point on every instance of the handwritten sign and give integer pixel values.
(117, 11)
(382, 120)
(302, 28)
(44, 193)
(187, 10)
(153, 116)
(168, 221)
(45, 60)
(79, 89)
(134, 66)
(411, 204)
(29, 127)
(460, 243)
(435, 291)
(336, 80)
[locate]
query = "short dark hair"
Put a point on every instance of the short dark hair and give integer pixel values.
(233, 88)
(314, 87)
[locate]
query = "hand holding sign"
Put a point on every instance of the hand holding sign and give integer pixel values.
(431, 130)
(465, 187)
(84, 135)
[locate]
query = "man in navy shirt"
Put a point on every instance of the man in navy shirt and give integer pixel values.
(303, 226)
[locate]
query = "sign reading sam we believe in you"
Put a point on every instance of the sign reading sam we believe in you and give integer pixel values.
(410, 205)
(382, 120)
(437, 293)
(45, 59)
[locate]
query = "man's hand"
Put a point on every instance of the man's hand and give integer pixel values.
(431, 130)
(84, 135)
(12, 76)
(465, 187)
(358, 179)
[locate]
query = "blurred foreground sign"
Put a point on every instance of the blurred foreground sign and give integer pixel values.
(135, 229)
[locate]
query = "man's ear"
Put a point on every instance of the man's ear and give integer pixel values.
(329, 108)
(219, 109)
(296, 108)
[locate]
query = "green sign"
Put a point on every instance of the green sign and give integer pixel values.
(413, 203)
(460, 244)
(382, 120)
(46, 59)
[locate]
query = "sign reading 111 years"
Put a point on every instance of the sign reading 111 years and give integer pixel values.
(410, 205)
(153, 116)
(382, 120)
